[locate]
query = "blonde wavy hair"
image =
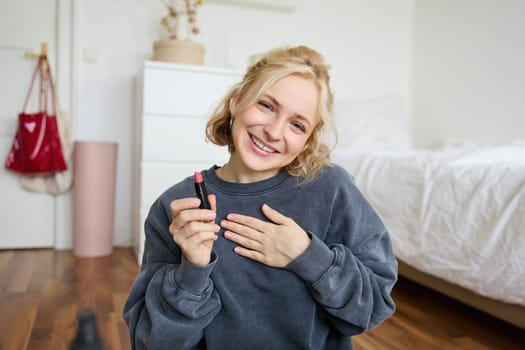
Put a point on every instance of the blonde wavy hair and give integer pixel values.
(274, 65)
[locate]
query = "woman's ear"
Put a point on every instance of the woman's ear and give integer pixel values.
(234, 102)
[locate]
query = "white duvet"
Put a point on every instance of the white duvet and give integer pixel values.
(456, 213)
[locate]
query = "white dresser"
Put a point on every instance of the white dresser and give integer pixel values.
(174, 102)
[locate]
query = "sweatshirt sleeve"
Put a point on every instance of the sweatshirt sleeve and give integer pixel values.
(352, 271)
(171, 300)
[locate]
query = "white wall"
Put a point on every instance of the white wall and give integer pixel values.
(468, 73)
(367, 43)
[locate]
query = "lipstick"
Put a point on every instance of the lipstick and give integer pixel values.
(200, 189)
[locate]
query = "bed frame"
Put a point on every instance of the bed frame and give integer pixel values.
(511, 313)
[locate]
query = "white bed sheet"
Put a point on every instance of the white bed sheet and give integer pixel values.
(455, 213)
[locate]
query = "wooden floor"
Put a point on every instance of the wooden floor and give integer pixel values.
(428, 320)
(42, 291)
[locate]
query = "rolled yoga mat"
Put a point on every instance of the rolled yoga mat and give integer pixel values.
(95, 165)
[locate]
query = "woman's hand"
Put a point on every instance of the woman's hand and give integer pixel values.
(194, 230)
(274, 243)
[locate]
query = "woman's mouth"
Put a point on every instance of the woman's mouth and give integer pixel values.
(262, 146)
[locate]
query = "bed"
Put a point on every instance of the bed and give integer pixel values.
(456, 213)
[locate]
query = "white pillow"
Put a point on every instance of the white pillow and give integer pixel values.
(378, 123)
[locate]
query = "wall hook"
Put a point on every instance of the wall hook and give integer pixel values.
(42, 54)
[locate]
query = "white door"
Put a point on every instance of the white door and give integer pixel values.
(26, 219)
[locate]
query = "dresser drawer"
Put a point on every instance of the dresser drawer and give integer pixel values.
(158, 177)
(185, 92)
(178, 139)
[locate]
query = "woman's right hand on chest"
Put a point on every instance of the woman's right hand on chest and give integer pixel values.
(193, 229)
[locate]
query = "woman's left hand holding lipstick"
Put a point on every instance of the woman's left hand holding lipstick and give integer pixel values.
(193, 229)
(274, 243)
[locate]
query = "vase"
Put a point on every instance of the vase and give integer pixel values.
(182, 27)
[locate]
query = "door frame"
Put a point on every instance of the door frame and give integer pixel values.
(66, 77)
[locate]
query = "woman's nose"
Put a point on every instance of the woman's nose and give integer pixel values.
(274, 129)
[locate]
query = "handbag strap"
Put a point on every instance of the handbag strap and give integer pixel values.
(51, 84)
(45, 82)
(37, 69)
(40, 138)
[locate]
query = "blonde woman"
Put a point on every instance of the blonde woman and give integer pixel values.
(290, 255)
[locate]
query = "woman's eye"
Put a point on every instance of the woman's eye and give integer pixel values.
(265, 105)
(298, 126)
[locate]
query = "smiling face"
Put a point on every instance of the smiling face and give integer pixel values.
(269, 134)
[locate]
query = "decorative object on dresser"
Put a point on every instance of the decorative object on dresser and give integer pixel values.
(174, 104)
(180, 24)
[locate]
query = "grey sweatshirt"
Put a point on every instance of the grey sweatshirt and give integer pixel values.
(339, 287)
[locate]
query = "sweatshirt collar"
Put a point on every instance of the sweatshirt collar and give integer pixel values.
(258, 187)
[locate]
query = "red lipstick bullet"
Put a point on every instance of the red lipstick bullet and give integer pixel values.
(200, 189)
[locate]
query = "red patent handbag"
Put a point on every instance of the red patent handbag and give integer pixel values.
(36, 148)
